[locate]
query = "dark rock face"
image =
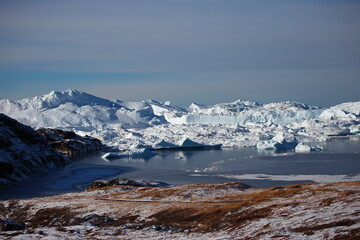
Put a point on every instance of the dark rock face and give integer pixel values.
(23, 151)
(69, 143)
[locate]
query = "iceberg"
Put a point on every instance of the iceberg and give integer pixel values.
(350, 110)
(285, 141)
(163, 145)
(151, 124)
(279, 142)
(187, 143)
(302, 148)
(267, 145)
(141, 152)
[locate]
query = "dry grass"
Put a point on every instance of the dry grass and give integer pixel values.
(211, 217)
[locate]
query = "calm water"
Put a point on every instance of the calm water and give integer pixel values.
(339, 161)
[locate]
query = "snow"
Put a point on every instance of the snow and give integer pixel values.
(151, 124)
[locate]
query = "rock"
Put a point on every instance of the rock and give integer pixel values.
(126, 182)
(69, 143)
(161, 228)
(9, 225)
(96, 220)
(23, 151)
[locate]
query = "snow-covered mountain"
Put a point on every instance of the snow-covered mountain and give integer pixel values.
(147, 123)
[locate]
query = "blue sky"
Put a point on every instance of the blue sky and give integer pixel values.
(206, 51)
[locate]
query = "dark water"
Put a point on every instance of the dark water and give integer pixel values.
(339, 161)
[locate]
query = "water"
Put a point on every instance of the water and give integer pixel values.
(340, 161)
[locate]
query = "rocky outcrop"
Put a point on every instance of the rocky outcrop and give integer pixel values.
(69, 143)
(23, 151)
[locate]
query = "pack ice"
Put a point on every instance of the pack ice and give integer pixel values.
(136, 126)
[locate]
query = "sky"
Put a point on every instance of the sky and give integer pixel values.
(204, 51)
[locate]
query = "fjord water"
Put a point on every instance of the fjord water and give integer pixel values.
(340, 161)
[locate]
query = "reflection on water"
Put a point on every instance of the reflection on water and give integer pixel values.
(340, 158)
